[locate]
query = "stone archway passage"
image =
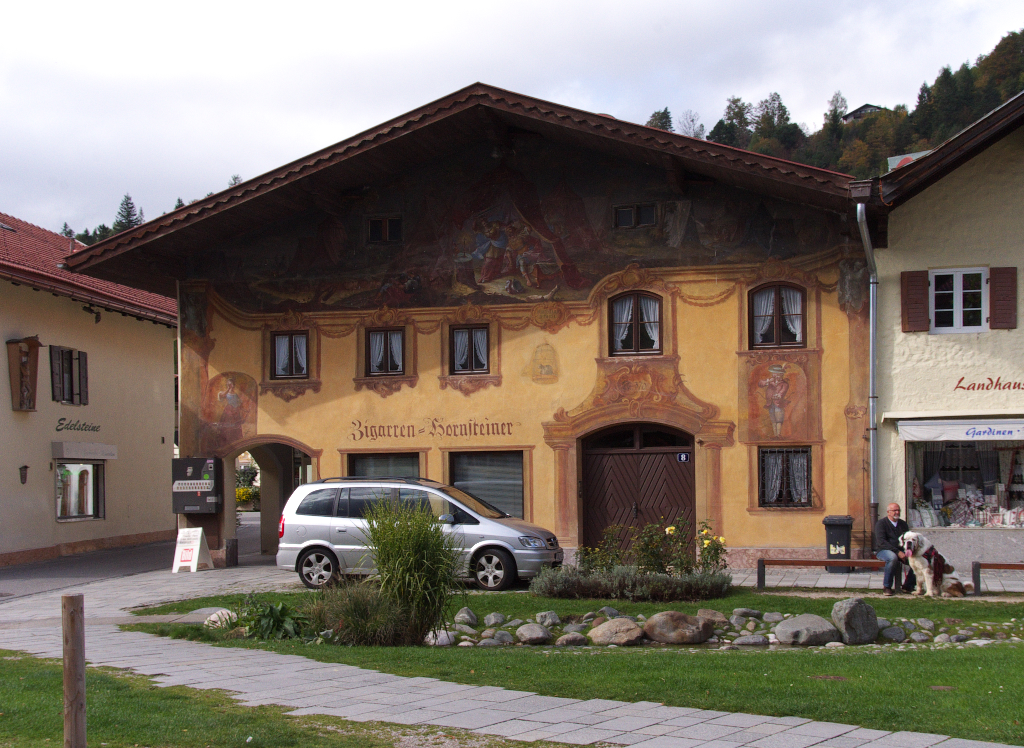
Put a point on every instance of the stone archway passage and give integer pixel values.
(635, 475)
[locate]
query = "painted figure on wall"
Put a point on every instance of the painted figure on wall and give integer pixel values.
(775, 387)
(777, 399)
(229, 411)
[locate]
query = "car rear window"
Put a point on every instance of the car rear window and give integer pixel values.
(318, 503)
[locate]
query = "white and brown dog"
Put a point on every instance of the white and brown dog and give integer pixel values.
(930, 568)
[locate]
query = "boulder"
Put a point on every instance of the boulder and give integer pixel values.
(926, 624)
(589, 616)
(943, 639)
(618, 631)
(834, 645)
(773, 617)
(462, 628)
(894, 634)
(747, 612)
(753, 640)
(716, 618)
(595, 622)
(672, 627)
(466, 616)
(738, 621)
(572, 639)
(440, 638)
(548, 619)
(920, 637)
(533, 633)
(807, 629)
(608, 612)
(487, 633)
(575, 628)
(494, 619)
(489, 643)
(467, 644)
(856, 621)
(502, 637)
(514, 623)
(883, 623)
(220, 619)
(959, 638)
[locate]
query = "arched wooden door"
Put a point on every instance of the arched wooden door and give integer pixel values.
(635, 475)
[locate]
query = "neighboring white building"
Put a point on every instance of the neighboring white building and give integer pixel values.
(949, 233)
(87, 434)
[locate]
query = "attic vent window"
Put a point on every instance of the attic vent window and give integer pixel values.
(384, 230)
(635, 216)
(8, 228)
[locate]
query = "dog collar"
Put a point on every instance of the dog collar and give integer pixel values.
(930, 553)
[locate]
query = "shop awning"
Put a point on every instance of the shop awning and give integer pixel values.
(966, 430)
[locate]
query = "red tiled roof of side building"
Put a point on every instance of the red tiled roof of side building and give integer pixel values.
(30, 255)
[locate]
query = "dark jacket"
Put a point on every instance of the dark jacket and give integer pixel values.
(887, 537)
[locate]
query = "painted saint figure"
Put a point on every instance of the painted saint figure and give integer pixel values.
(776, 386)
(233, 415)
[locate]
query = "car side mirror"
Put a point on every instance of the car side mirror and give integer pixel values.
(446, 519)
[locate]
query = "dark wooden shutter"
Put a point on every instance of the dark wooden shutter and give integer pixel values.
(83, 377)
(1002, 298)
(914, 298)
(56, 374)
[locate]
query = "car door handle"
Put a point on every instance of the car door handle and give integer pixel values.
(340, 529)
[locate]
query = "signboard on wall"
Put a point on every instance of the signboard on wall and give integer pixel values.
(83, 451)
(961, 431)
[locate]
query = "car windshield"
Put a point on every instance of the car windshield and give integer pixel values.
(471, 502)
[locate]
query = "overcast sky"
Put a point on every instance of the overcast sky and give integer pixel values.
(169, 100)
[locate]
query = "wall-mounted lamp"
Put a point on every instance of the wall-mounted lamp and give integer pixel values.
(23, 471)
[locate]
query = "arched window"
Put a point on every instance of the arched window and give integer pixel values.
(777, 317)
(634, 324)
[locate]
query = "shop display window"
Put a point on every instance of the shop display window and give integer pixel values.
(79, 490)
(965, 484)
(495, 477)
(384, 465)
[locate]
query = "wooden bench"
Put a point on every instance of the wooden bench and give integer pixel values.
(977, 566)
(860, 563)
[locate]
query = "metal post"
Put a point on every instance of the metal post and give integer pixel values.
(73, 623)
(976, 576)
(760, 573)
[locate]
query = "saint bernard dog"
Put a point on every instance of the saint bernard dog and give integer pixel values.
(931, 569)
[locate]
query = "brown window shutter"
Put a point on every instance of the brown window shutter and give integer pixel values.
(83, 377)
(914, 299)
(1002, 298)
(56, 373)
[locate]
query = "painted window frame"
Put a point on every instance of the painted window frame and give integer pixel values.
(98, 490)
(291, 335)
(387, 332)
(471, 330)
(778, 316)
(69, 375)
(958, 298)
(635, 323)
(634, 221)
(785, 478)
(388, 224)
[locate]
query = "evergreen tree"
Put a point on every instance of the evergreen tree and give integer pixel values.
(179, 204)
(127, 216)
(236, 179)
(662, 120)
(67, 231)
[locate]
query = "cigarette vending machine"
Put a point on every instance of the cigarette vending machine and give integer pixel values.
(198, 485)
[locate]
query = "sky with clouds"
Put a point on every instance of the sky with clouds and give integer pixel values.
(169, 100)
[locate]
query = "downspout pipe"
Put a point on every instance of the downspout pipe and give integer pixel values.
(869, 254)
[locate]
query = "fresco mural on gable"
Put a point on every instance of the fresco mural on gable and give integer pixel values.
(534, 225)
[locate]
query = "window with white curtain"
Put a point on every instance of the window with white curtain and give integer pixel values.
(634, 324)
(469, 350)
(385, 352)
(777, 317)
(784, 477)
(290, 351)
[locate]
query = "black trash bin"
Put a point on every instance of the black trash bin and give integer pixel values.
(838, 533)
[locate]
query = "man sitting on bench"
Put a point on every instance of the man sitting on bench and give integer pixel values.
(888, 530)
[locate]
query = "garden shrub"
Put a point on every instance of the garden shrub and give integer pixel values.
(628, 583)
(248, 495)
(246, 475)
(265, 620)
(358, 614)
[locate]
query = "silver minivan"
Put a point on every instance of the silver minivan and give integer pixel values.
(322, 531)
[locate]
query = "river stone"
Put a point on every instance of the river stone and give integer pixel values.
(672, 627)
(753, 640)
(575, 628)
(548, 618)
(595, 622)
(747, 612)
(959, 638)
(773, 618)
(514, 623)
(714, 616)
(969, 631)
(220, 618)
(589, 616)
(641, 618)
(488, 633)
(618, 631)
(608, 612)
(856, 621)
(533, 633)
(467, 644)
(503, 637)
(440, 639)
(894, 633)
(920, 637)
(494, 619)
(751, 625)
(466, 616)
(465, 629)
(807, 629)
(738, 621)
(834, 645)
(489, 643)
(926, 624)
(572, 639)
(943, 639)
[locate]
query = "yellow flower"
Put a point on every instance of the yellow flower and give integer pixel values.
(721, 539)
(707, 543)
(670, 530)
(704, 531)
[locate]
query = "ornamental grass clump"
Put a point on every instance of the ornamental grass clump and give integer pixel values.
(417, 563)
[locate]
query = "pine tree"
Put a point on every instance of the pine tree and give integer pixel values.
(236, 179)
(662, 120)
(127, 216)
(179, 204)
(67, 231)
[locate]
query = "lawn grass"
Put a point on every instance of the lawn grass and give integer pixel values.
(128, 710)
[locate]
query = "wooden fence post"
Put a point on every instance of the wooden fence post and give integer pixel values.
(73, 620)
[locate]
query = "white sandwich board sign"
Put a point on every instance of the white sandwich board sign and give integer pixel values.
(191, 551)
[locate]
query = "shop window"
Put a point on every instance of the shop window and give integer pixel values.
(635, 216)
(495, 477)
(401, 465)
(634, 324)
(79, 489)
(777, 318)
(384, 230)
(69, 375)
(290, 355)
(959, 300)
(469, 350)
(385, 352)
(784, 476)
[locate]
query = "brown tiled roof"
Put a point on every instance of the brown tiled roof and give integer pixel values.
(30, 255)
(476, 111)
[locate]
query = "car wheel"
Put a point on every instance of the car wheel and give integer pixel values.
(317, 567)
(494, 570)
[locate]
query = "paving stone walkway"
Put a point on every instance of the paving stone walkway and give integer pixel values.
(32, 624)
